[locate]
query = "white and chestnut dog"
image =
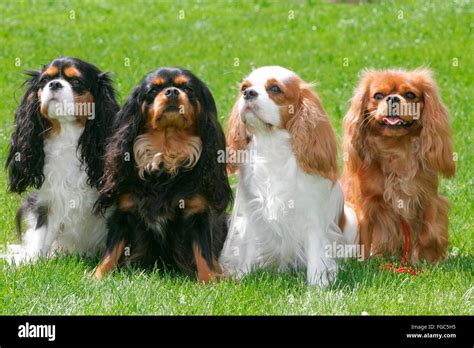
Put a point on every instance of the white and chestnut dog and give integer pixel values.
(57, 148)
(289, 209)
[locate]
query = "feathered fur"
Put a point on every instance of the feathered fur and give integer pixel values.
(392, 172)
(61, 157)
(162, 213)
(289, 208)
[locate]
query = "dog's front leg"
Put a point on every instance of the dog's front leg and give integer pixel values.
(41, 234)
(321, 266)
(200, 227)
(118, 226)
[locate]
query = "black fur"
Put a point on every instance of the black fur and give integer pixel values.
(25, 153)
(157, 197)
(96, 131)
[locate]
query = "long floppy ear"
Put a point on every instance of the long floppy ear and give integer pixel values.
(238, 136)
(312, 137)
(25, 159)
(98, 128)
(436, 143)
(354, 127)
(213, 169)
(119, 159)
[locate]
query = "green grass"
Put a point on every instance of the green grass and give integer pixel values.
(209, 40)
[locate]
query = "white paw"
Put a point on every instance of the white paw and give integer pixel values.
(322, 279)
(17, 254)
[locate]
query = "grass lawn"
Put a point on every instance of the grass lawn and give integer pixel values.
(221, 41)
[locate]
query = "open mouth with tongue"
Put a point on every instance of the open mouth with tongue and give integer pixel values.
(395, 122)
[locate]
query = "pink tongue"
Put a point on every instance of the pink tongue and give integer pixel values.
(392, 121)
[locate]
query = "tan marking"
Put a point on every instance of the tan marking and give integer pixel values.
(54, 130)
(206, 274)
(184, 118)
(158, 81)
(195, 205)
(82, 104)
(55, 126)
(52, 71)
(110, 260)
(181, 80)
(125, 202)
(72, 72)
(169, 138)
(171, 148)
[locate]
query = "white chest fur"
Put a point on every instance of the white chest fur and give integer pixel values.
(70, 225)
(282, 215)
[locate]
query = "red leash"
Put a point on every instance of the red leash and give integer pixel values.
(404, 268)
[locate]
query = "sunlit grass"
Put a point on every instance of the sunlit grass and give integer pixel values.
(221, 41)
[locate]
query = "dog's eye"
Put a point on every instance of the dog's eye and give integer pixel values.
(275, 89)
(188, 89)
(378, 96)
(44, 80)
(244, 87)
(153, 90)
(75, 82)
(410, 95)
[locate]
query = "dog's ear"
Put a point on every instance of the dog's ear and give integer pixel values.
(213, 171)
(119, 159)
(436, 145)
(238, 136)
(355, 131)
(25, 158)
(98, 128)
(312, 137)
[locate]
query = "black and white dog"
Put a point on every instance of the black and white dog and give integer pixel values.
(57, 147)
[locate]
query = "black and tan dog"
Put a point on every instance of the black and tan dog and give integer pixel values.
(162, 175)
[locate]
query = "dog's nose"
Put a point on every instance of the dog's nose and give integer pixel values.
(55, 85)
(393, 99)
(172, 93)
(250, 93)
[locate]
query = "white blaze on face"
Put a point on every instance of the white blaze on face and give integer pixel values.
(262, 107)
(59, 101)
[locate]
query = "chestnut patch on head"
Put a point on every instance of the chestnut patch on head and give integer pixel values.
(286, 95)
(51, 71)
(244, 85)
(71, 72)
